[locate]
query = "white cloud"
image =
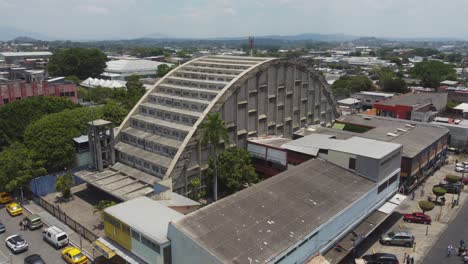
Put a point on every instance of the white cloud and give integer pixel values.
(93, 9)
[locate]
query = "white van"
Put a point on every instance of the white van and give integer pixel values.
(55, 236)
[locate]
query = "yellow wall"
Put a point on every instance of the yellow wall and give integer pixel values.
(114, 229)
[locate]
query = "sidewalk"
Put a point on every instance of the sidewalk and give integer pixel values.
(425, 235)
(50, 220)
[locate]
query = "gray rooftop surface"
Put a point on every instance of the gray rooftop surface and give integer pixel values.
(411, 99)
(146, 216)
(416, 137)
(260, 222)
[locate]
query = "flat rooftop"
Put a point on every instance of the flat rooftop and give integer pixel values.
(414, 136)
(412, 99)
(146, 216)
(26, 54)
(311, 144)
(259, 223)
(377, 94)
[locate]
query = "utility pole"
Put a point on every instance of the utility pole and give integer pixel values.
(462, 186)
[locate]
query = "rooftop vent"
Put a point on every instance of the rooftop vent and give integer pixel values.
(392, 135)
(409, 125)
(367, 118)
(402, 130)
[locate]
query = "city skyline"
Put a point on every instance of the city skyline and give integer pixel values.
(125, 19)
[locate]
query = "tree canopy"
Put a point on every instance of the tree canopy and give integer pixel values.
(389, 82)
(347, 84)
(80, 62)
(426, 206)
(18, 167)
(433, 72)
(16, 116)
(51, 137)
(164, 69)
(235, 169)
(114, 112)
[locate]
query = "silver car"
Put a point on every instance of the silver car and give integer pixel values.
(398, 238)
(16, 243)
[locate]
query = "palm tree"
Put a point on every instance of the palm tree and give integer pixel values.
(213, 131)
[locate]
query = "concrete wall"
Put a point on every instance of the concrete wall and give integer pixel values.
(145, 253)
(186, 250)
(458, 135)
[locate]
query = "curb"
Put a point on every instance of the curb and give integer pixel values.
(69, 240)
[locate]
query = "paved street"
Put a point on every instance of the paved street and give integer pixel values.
(34, 239)
(456, 230)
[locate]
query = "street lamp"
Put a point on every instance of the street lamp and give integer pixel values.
(79, 232)
(461, 185)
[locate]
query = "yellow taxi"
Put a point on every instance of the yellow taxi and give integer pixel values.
(14, 209)
(73, 255)
(5, 197)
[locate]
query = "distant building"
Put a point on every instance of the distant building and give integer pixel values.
(421, 107)
(368, 99)
(95, 82)
(30, 59)
(449, 83)
(458, 131)
(350, 105)
(122, 69)
(17, 90)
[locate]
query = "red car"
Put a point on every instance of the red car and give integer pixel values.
(417, 218)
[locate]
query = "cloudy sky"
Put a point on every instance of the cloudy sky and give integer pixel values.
(100, 19)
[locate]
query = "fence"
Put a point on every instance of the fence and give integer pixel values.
(55, 211)
(44, 185)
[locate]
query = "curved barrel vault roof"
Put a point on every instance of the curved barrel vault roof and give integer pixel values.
(157, 131)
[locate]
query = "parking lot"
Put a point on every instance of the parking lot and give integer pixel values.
(34, 239)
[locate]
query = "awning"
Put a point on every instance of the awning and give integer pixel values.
(103, 249)
(128, 256)
(392, 204)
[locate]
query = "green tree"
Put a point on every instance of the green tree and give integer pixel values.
(394, 85)
(114, 112)
(51, 137)
(213, 131)
(438, 192)
(426, 206)
(453, 178)
(18, 167)
(16, 116)
(102, 205)
(135, 86)
(80, 62)
(197, 193)
(74, 79)
(433, 72)
(235, 169)
(164, 69)
(63, 184)
(83, 94)
(347, 84)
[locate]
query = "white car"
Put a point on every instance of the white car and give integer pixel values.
(16, 243)
(461, 168)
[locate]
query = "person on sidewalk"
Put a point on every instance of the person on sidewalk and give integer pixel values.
(408, 259)
(412, 195)
(411, 260)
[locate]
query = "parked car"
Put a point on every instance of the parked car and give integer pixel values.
(461, 169)
(55, 236)
(2, 228)
(450, 187)
(33, 222)
(14, 209)
(73, 255)
(398, 238)
(16, 243)
(381, 258)
(5, 198)
(420, 218)
(34, 259)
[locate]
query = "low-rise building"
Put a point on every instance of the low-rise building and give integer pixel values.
(458, 131)
(308, 209)
(21, 57)
(368, 99)
(350, 105)
(17, 90)
(122, 69)
(421, 107)
(136, 231)
(424, 144)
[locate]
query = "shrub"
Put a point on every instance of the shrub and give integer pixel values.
(426, 206)
(453, 178)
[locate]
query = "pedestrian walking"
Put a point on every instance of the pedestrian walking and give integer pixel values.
(408, 259)
(412, 260)
(462, 243)
(412, 195)
(449, 250)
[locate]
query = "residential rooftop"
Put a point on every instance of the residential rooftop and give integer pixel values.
(377, 93)
(412, 99)
(259, 223)
(146, 216)
(26, 54)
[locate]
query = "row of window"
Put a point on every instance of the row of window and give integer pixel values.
(146, 241)
(142, 164)
(149, 145)
(67, 94)
(207, 64)
(178, 104)
(157, 130)
(194, 69)
(203, 77)
(185, 93)
(195, 84)
(387, 183)
(168, 116)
